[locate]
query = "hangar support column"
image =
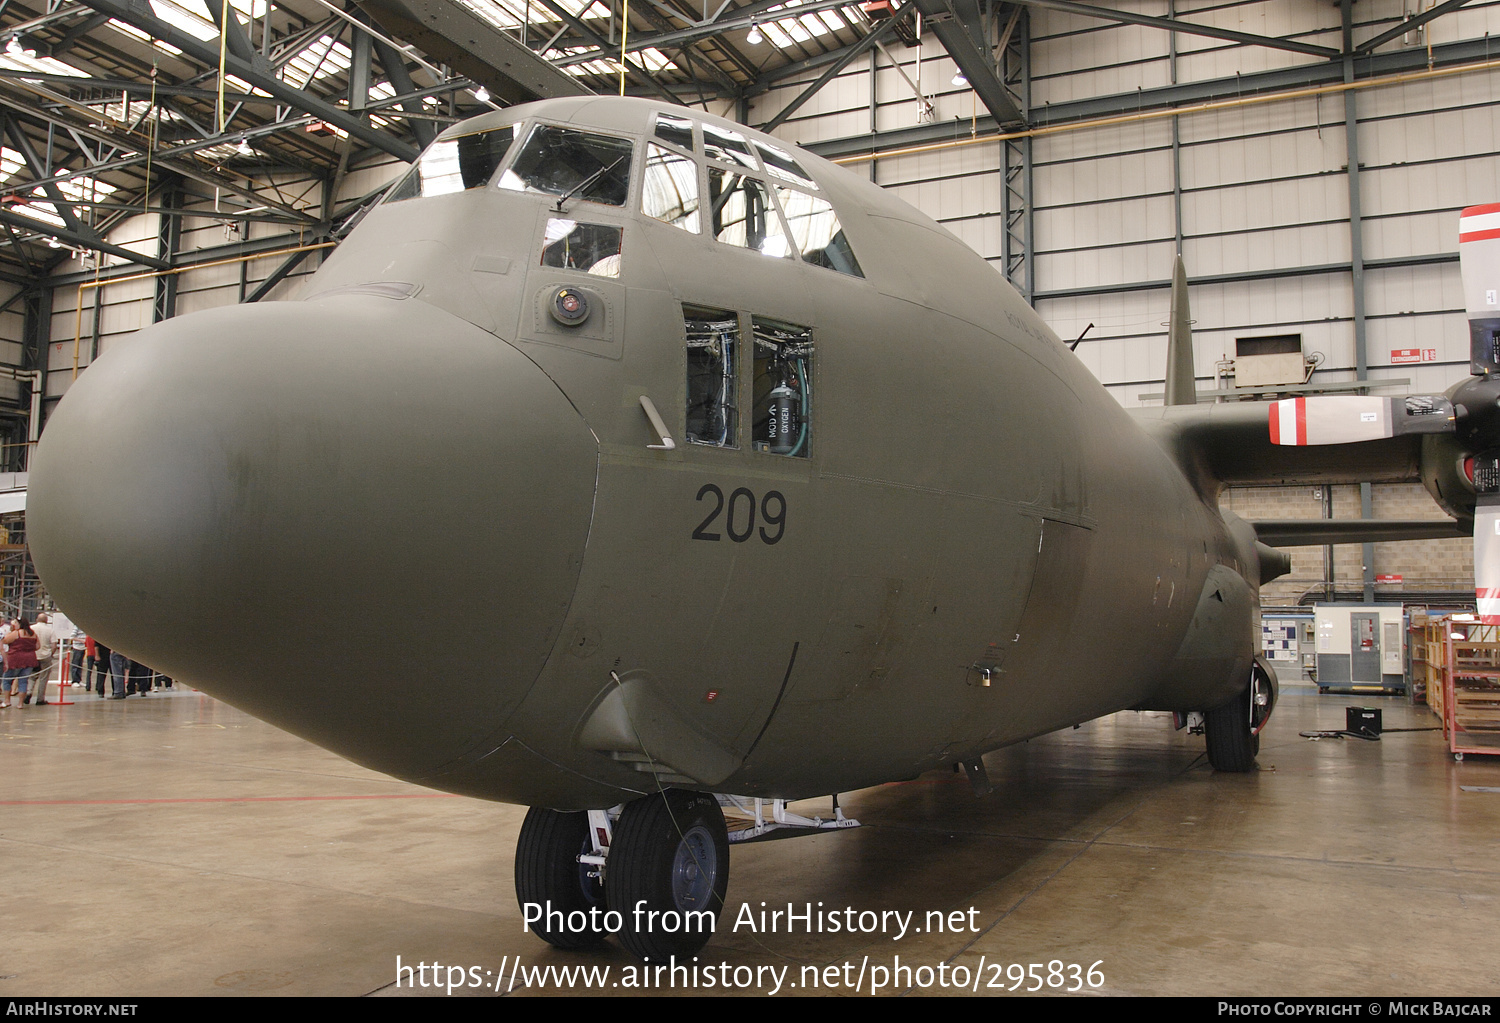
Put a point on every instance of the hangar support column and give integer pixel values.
(168, 241)
(1015, 158)
(1357, 265)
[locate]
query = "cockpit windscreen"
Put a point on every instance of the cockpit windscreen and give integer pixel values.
(456, 164)
(577, 164)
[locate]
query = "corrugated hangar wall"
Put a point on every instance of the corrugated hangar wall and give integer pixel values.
(1262, 188)
(1264, 198)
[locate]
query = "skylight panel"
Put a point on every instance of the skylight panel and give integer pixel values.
(10, 162)
(46, 214)
(38, 206)
(788, 27)
(508, 14)
(44, 65)
(323, 58)
(135, 33)
(188, 15)
(650, 58)
(85, 189)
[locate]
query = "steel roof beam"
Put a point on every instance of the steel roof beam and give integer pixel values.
(636, 71)
(453, 35)
(79, 241)
(975, 66)
(132, 12)
(1372, 66)
(75, 33)
(235, 39)
(727, 85)
(395, 71)
(846, 56)
(1408, 25)
(1186, 27)
(166, 160)
(703, 30)
(34, 163)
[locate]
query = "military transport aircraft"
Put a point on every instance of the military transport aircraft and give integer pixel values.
(628, 464)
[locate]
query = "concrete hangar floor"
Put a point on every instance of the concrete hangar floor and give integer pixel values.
(170, 845)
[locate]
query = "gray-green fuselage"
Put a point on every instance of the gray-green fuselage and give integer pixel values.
(416, 519)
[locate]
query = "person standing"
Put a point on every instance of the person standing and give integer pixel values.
(119, 664)
(101, 669)
(20, 661)
(46, 643)
(77, 649)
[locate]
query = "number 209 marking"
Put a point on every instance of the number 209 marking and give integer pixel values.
(739, 514)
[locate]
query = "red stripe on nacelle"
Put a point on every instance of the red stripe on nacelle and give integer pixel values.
(1479, 236)
(1275, 422)
(1475, 211)
(1301, 421)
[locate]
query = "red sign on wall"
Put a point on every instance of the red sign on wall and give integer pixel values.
(1400, 355)
(1387, 578)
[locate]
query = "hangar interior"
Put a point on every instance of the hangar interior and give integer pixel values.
(1307, 160)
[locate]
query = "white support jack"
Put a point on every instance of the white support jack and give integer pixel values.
(781, 818)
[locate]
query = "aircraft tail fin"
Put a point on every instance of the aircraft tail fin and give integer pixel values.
(1182, 388)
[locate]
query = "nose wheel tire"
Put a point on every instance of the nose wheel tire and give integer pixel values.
(548, 871)
(1232, 745)
(668, 873)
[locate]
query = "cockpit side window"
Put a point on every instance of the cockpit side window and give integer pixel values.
(743, 213)
(816, 230)
(670, 190)
(577, 164)
(592, 248)
(780, 163)
(455, 164)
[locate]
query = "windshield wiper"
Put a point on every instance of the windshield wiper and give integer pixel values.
(586, 182)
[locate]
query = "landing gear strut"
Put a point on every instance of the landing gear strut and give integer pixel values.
(549, 874)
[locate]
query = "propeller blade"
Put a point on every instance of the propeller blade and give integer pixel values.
(1485, 470)
(1479, 263)
(1350, 418)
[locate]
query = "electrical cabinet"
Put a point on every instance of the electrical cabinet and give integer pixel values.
(1360, 648)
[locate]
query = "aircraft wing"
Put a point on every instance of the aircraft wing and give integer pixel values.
(1317, 532)
(1231, 444)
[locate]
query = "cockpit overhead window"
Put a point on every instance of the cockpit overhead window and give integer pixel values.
(670, 191)
(573, 164)
(743, 213)
(781, 164)
(816, 230)
(592, 248)
(727, 146)
(456, 164)
(676, 130)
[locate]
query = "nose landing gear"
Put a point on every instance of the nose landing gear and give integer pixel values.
(561, 896)
(668, 857)
(668, 872)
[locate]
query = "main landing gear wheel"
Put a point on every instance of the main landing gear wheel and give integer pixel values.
(668, 872)
(1232, 745)
(548, 871)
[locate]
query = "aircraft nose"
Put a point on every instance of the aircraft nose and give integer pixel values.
(359, 518)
